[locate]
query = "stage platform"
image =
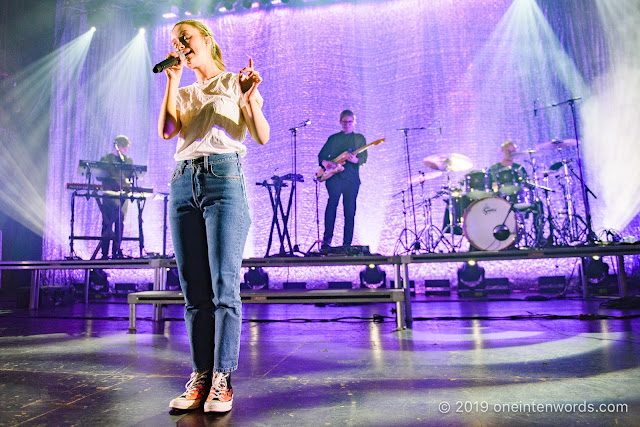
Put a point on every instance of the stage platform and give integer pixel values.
(498, 363)
(399, 263)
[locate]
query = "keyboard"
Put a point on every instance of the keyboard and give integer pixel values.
(99, 187)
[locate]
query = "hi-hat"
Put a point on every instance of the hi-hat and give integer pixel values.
(557, 143)
(546, 174)
(424, 176)
(452, 162)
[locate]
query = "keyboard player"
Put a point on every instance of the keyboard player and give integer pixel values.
(114, 206)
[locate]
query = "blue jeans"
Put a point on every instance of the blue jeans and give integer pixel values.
(209, 219)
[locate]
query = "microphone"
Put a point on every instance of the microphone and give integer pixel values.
(119, 153)
(307, 122)
(169, 62)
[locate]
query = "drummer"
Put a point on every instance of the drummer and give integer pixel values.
(507, 176)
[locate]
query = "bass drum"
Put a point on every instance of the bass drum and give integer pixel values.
(482, 217)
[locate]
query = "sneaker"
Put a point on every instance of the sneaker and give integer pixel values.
(195, 393)
(220, 397)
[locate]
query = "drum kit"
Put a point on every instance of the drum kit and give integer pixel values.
(500, 207)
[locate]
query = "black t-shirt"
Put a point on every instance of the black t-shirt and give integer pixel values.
(337, 144)
(114, 172)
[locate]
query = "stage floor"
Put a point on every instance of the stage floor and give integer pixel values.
(499, 362)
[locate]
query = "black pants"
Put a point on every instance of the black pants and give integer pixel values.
(109, 220)
(347, 188)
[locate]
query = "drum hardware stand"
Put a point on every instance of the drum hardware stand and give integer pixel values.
(452, 217)
(591, 236)
(431, 241)
(538, 220)
(403, 240)
(554, 230)
(415, 246)
(570, 228)
(294, 167)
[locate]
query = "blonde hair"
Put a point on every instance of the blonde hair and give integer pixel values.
(508, 143)
(206, 32)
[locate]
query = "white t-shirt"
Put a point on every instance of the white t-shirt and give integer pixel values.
(211, 117)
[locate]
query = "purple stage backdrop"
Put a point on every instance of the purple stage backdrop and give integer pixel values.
(467, 71)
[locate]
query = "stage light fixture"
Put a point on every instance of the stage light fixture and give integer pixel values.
(92, 29)
(373, 277)
(256, 278)
(595, 270)
(98, 281)
(142, 30)
(471, 275)
(226, 6)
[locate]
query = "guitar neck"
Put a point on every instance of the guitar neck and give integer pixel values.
(361, 149)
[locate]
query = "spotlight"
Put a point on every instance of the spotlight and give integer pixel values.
(256, 278)
(595, 270)
(93, 29)
(227, 5)
(471, 275)
(98, 281)
(173, 281)
(373, 277)
(142, 31)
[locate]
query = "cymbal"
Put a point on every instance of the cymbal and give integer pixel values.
(452, 162)
(556, 166)
(424, 176)
(557, 143)
(523, 153)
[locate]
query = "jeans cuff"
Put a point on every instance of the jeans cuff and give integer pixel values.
(225, 371)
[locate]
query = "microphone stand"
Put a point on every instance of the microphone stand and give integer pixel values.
(119, 225)
(405, 132)
(591, 236)
(294, 181)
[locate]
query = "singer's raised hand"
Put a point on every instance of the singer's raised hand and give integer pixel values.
(249, 79)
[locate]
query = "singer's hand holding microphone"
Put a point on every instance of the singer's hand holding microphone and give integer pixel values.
(173, 59)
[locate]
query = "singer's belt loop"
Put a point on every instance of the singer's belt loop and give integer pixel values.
(206, 163)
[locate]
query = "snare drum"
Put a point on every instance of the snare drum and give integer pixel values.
(477, 185)
(524, 200)
(482, 217)
(509, 181)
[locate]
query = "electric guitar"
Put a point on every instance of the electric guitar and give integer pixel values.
(324, 174)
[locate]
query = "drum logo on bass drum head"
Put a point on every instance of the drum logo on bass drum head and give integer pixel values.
(488, 209)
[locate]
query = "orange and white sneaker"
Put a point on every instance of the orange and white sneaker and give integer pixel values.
(220, 397)
(195, 393)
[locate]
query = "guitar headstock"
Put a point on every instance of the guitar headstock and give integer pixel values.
(377, 141)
